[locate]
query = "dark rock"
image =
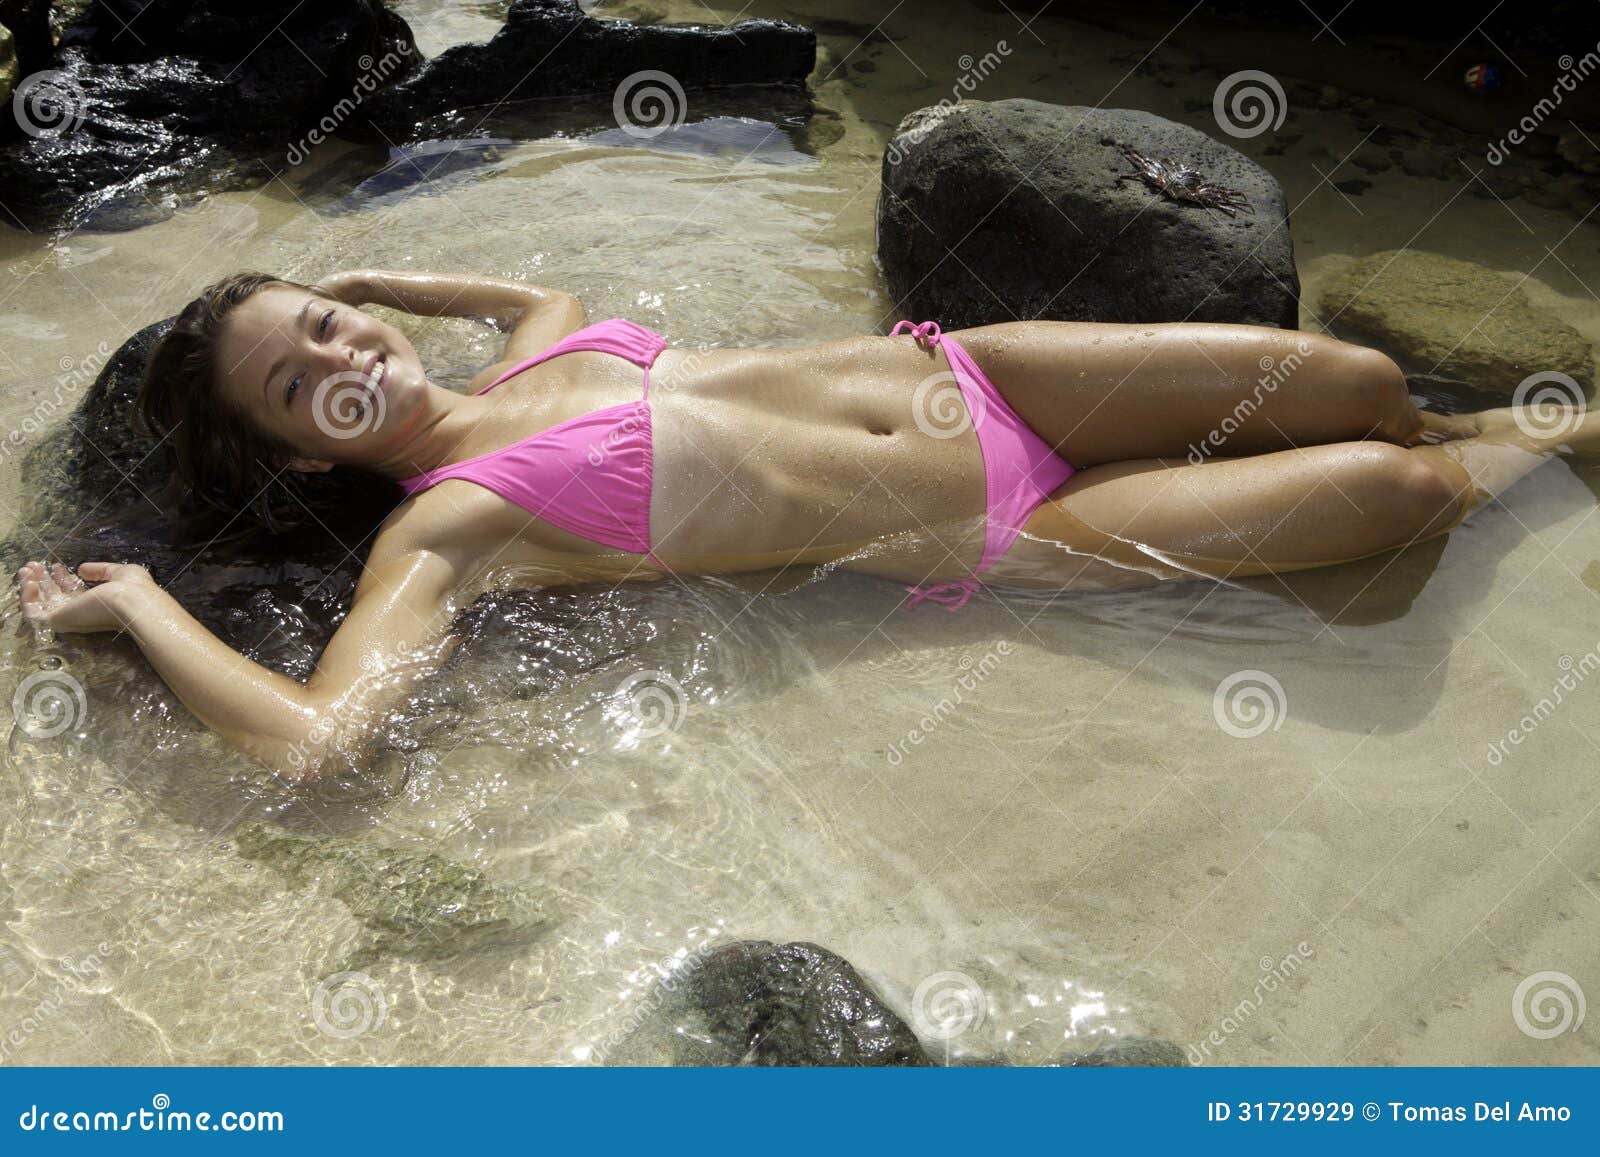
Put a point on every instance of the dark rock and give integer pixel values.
(9, 72)
(757, 1003)
(1354, 187)
(1128, 1052)
(29, 24)
(462, 86)
(208, 94)
(1014, 209)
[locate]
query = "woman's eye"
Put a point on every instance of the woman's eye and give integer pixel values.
(294, 384)
(322, 326)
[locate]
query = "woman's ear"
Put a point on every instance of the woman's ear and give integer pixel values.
(310, 465)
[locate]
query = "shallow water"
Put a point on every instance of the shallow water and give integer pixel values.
(1049, 796)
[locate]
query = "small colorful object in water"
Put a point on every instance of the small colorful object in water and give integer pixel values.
(1484, 77)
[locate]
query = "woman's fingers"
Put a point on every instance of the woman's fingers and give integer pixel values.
(96, 571)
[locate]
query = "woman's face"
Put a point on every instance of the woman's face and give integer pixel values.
(335, 383)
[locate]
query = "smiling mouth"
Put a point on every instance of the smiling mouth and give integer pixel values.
(378, 374)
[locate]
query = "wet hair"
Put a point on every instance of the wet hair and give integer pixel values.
(223, 458)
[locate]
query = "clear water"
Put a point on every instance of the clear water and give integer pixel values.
(1072, 831)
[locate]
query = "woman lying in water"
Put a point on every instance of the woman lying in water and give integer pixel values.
(1055, 455)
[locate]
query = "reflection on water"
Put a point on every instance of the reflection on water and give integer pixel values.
(1051, 796)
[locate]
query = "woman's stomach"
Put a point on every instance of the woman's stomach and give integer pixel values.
(811, 452)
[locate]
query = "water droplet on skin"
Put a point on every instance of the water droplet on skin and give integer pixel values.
(50, 663)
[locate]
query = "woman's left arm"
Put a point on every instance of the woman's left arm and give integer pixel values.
(511, 305)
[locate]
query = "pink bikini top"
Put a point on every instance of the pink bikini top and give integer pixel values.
(591, 475)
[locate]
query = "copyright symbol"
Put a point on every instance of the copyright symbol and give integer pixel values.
(1370, 1111)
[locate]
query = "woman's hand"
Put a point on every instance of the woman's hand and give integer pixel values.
(55, 597)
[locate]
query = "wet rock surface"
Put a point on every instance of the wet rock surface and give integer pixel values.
(208, 94)
(552, 49)
(758, 1003)
(415, 904)
(212, 95)
(1013, 210)
(1453, 319)
(753, 1002)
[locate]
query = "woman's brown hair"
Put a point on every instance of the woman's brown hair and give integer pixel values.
(222, 457)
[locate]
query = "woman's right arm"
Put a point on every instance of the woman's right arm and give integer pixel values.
(300, 731)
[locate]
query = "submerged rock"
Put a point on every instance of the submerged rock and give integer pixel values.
(1133, 1051)
(752, 1002)
(416, 904)
(1013, 209)
(1441, 316)
(757, 1003)
(207, 94)
(643, 70)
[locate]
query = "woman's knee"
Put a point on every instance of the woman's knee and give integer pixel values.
(1379, 390)
(1402, 492)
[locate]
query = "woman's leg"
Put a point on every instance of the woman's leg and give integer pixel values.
(1133, 523)
(1102, 392)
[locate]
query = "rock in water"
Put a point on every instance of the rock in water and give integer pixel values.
(1136, 1051)
(416, 904)
(1007, 210)
(1441, 316)
(203, 94)
(757, 1003)
(552, 48)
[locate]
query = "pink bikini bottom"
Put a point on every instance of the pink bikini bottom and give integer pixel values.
(1020, 469)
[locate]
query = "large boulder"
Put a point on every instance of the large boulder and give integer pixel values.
(1015, 209)
(552, 48)
(207, 94)
(1454, 319)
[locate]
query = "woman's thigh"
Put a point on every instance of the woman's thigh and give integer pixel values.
(1135, 523)
(1103, 392)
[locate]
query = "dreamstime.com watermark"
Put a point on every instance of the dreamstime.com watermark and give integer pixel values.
(650, 703)
(1248, 703)
(648, 103)
(1548, 404)
(947, 1005)
(80, 974)
(352, 712)
(973, 73)
(160, 1117)
(1274, 372)
(1574, 672)
(76, 373)
(670, 973)
(373, 74)
(621, 434)
(47, 703)
(1248, 103)
(1273, 974)
(1547, 1004)
(48, 104)
(1573, 73)
(976, 671)
(348, 1004)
